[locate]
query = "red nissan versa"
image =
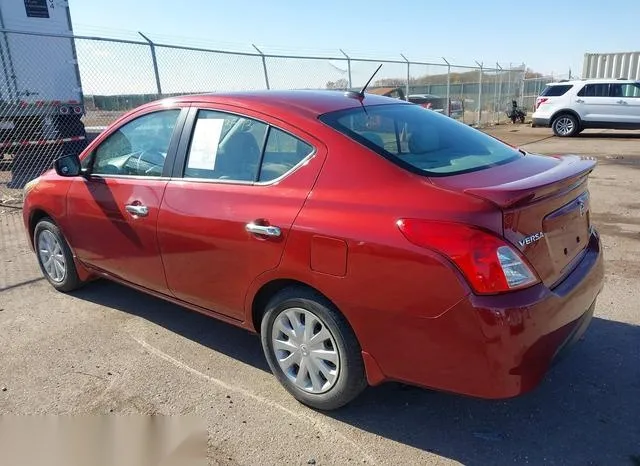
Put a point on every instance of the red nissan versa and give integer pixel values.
(364, 238)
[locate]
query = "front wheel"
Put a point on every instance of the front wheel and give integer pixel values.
(566, 125)
(312, 350)
(55, 257)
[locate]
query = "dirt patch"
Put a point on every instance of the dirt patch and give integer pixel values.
(622, 267)
(618, 225)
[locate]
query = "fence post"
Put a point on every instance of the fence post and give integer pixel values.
(480, 95)
(264, 66)
(464, 101)
(495, 94)
(509, 91)
(348, 67)
(408, 75)
(499, 90)
(448, 87)
(154, 60)
(524, 76)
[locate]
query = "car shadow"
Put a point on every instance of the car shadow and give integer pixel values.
(217, 335)
(586, 411)
(610, 135)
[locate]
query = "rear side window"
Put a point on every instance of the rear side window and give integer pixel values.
(420, 140)
(230, 147)
(556, 91)
(225, 147)
(281, 154)
(595, 90)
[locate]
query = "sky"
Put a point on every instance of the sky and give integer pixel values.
(547, 37)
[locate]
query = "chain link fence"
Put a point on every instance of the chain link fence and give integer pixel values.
(58, 92)
(534, 85)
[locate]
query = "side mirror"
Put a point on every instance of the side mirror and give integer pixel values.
(68, 165)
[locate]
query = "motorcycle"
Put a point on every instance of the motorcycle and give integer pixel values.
(516, 113)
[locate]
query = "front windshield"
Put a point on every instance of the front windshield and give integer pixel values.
(421, 140)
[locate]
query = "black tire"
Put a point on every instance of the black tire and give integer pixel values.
(565, 125)
(70, 126)
(71, 281)
(351, 379)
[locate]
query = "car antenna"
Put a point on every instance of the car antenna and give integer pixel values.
(370, 79)
(360, 94)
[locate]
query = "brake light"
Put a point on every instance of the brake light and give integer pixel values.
(489, 264)
(540, 101)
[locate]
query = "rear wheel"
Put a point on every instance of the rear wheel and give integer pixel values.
(565, 125)
(55, 257)
(311, 349)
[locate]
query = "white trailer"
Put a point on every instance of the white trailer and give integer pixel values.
(41, 102)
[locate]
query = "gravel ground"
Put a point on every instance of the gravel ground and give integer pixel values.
(108, 349)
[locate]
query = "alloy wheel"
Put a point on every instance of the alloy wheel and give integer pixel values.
(51, 256)
(564, 126)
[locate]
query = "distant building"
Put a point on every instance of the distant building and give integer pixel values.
(611, 65)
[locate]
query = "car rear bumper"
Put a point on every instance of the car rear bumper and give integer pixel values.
(501, 346)
(541, 122)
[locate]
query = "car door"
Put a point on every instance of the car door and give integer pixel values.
(594, 104)
(627, 98)
(240, 182)
(113, 211)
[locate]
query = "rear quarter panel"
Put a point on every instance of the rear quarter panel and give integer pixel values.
(393, 293)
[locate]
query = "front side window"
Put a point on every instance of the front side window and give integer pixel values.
(137, 148)
(225, 147)
(420, 140)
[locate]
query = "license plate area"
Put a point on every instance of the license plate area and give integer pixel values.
(567, 229)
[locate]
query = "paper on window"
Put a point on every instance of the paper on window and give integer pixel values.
(204, 144)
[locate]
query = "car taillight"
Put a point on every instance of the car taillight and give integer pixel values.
(540, 101)
(489, 264)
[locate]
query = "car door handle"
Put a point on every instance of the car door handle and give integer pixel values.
(266, 230)
(137, 210)
(580, 101)
(621, 102)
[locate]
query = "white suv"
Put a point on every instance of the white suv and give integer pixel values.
(568, 107)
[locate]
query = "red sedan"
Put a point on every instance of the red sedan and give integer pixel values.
(364, 238)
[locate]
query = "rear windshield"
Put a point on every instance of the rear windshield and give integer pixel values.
(421, 140)
(556, 91)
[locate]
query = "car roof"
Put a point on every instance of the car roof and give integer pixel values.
(592, 81)
(422, 95)
(309, 103)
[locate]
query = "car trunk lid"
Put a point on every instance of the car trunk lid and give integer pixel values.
(545, 207)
